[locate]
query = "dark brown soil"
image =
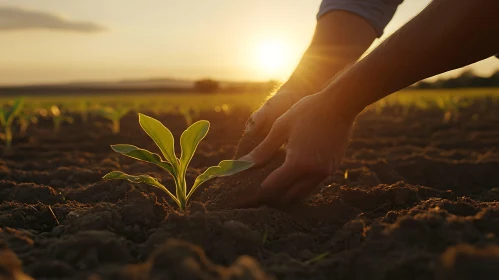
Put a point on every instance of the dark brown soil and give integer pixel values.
(418, 202)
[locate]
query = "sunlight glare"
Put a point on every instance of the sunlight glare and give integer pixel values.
(273, 57)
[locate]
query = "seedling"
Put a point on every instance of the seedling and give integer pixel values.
(83, 107)
(114, 115)
(25, 119)
(189, 113)
(7, 116)
(176, 167)
(58, 118)
(423, 103)
(451, 105)
(159, 109)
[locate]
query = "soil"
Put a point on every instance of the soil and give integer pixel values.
(415, 198)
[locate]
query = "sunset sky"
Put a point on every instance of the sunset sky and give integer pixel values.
(53, 41)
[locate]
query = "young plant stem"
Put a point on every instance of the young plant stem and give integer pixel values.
(176, 167)
(116, 126)
(8, 137)
(180, 192)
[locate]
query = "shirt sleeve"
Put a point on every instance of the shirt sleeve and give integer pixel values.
(377, 12)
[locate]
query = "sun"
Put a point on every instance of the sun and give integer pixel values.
(273, 57)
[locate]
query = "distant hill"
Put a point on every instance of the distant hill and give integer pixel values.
(136, 83)
(466, 79)
(159, 85)
(154, 85)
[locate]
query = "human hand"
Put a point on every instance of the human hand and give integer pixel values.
(316, 130)
(261, 121)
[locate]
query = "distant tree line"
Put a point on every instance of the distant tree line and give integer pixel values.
(467, 79)
(206, 86)
(213, 86)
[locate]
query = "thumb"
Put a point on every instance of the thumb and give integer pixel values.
(262, 120)
(258, 123)
(270, 145)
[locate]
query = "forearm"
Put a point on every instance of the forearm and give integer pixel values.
(447, 35)
(340, 39)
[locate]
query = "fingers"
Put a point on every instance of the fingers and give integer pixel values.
(272, 189)
(257, 129)
(300, 190)
(284, 186)
(256, 123)
(276, 183)
(308, 182)
(287, 185)
(261, 121)
(270, 145)
(291, 182)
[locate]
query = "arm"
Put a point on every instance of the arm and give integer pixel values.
(340, 38)
(344, 31)
(446, 35)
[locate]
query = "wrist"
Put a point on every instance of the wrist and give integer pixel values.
(343, 101)
(295, 88)
(315, 72)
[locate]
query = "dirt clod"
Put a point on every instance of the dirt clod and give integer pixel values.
(409, 193)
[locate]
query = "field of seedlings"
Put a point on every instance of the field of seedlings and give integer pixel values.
(415, 198)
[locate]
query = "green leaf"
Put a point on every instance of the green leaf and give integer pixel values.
(224, 168)
(146, 179)
(189, 142)
(105, 113)
(143, 155)
(161, 136)
(113, 114)
(8, 115)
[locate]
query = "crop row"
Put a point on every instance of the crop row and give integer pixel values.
(17, 115)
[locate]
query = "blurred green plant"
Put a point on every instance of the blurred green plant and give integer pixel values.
(7, 115)
(83, 109)
(114, 115)
(451, 105)
(176, 167)
(159, 109)
(57, 117)
(189, 113)
(25, 118)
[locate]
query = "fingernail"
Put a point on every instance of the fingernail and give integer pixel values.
(247, 158)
